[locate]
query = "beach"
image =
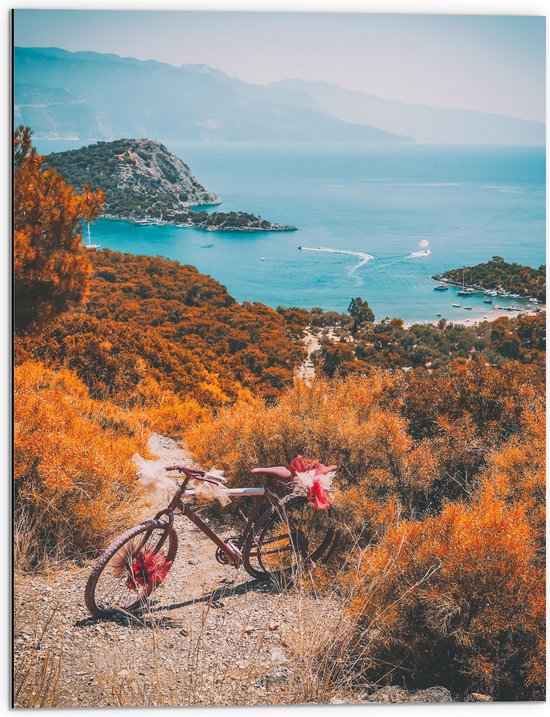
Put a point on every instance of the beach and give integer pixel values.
(475, 320)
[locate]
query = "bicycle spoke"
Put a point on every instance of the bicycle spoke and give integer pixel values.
(130, 574)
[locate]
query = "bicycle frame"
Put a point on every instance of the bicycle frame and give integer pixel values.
(232, 551)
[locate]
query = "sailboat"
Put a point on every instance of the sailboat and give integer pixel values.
(464, 291)
(89, 245)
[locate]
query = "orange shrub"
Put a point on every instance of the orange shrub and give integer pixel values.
(74, 478)
(114, 359)
(352, 423)
(458, 599)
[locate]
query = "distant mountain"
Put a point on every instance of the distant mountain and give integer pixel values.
(145, 183)
(90, 96)
(426, 124)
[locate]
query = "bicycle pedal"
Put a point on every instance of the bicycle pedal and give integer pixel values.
(234, 548)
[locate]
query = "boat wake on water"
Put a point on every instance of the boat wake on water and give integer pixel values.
(416, 254)
(363, 255)
(367, 257)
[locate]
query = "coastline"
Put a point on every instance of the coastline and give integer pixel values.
(274, 227)
(475, 321)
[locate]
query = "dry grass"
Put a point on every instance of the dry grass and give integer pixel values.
(37, 672)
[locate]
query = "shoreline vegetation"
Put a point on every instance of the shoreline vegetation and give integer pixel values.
(499, 278)
(438, 432)
(146, 184)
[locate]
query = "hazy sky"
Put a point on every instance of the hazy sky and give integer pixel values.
(487, 63)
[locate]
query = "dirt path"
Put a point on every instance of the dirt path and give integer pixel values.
(311, 341)
(212, 635)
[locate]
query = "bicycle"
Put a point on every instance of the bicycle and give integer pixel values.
(280, 536)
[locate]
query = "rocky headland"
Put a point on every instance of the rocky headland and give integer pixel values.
(145, 183)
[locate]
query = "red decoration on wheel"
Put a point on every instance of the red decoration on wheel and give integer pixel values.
(148, 570)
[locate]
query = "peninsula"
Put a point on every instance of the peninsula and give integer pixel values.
(145, 183)
(506, 279)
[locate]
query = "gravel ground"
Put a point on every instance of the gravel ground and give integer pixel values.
(211, 635)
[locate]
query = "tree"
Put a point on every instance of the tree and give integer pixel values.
(361, 313)
(50, 267)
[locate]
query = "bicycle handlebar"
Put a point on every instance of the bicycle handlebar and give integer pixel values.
(197, 474)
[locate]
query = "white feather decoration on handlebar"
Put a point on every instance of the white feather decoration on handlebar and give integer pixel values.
(211, 491)
(151, 475)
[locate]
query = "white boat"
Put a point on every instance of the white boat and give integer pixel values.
(145, 221)
(467, 308)
(456, 306)
(89, 245)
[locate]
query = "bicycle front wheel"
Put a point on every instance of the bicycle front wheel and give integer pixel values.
(288, 537)
(132, 567)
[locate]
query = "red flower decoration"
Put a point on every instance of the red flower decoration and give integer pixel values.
(148, 570)
(316, 494)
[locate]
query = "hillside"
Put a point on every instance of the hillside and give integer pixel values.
(171, 323)
(90, 96)
(445, 125)
(143, 181)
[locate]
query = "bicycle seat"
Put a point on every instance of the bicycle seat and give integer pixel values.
(275, 471)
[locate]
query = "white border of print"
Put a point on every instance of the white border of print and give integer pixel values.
(462, 7)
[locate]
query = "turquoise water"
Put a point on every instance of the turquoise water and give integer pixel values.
(469, 203)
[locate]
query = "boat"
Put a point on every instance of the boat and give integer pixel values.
(467, 308)
(487, 301)
(456, 306)
(438, 314)
(465, 292)
(263, 258)
(299, 247)
(145, 221)
(89, 246)
(441, 287)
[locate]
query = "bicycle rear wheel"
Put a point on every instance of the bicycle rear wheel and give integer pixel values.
(290, 537)
(130, 569)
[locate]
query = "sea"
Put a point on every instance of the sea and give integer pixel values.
(374, 221)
